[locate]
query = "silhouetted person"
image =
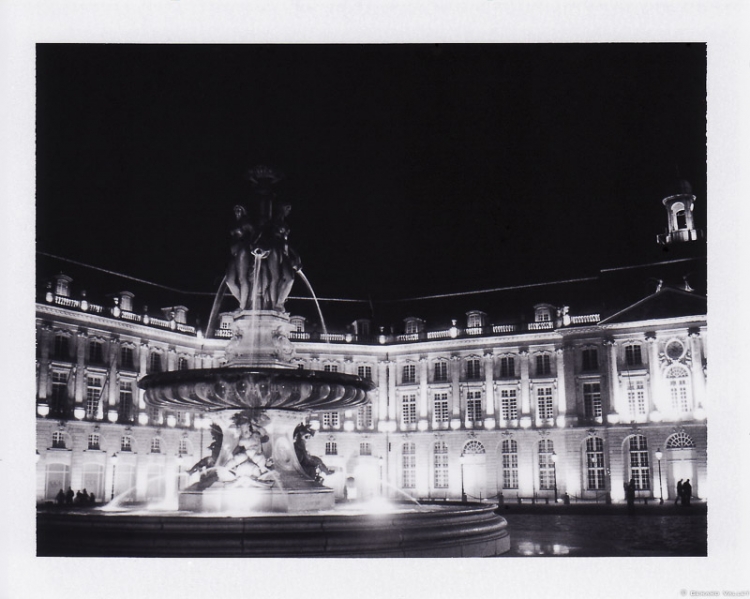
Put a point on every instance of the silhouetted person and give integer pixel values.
(92, 498)
(630, 495)
(687, 492)
(69, 496)
(678, 498)
(60, 497)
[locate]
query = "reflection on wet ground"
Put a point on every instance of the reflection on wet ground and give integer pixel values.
(597, 535)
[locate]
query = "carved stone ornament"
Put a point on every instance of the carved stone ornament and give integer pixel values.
(543, 433)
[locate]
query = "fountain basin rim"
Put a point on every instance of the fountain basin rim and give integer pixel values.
(235, 373)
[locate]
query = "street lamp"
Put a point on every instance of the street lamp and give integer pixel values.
(380, 462)
(554, 472)
(463, 492)
(114, 471)
(659, 456)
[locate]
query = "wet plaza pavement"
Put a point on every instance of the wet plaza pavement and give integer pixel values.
(606, 531)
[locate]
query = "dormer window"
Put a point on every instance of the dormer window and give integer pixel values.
(126, 301)
(475, 318)
(362, 327)
(543, 312)
(62, 285)
(298, 323)
(413, 325)
(226, 322)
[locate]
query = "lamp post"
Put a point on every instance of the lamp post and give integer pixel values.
(554, 472)
(659, 456)
(463, 492)
(114, 471)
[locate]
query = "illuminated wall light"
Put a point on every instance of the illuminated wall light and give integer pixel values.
(145, 318)
(42, 409)
(453, 331)
(112, 416)
(348, 337)
(49, 296)
(171, 421)
(143, 418)
(613, 418)
(199, 334)
(489, 423)
(315, 425)
(84, 302)
(423, 425)
(455, 424)
(348, 426)
(525, 422)
(700, 413)
(79, 413)
(561, 421)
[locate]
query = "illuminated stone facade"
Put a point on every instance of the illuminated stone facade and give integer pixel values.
(565, 403)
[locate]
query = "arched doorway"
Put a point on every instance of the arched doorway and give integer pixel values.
(473, 470)
(681, 457)
(57, 476)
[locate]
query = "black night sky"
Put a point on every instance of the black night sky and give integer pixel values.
(412, 169)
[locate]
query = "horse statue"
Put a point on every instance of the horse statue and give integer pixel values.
(311, 465)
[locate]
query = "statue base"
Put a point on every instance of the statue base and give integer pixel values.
(260, 338)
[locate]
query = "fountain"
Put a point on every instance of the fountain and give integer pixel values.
(259, 492)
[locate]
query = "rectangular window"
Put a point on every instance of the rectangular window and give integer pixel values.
(62, 347)
(59, 400)
(364, 416)
(365, 449)
(510, 464)
(127, 361)
(126, 444)
(58, 440)
(182, 363)
(594, 464)
(592, 400)
(633, 355)
(590, 359)
(96, 352)
(93, 441)
(636, 399)
(156, 445)
(409, 409)
(330, 368)
(509, 404)
(331, 419)
(441, 372)
(507, 367)
(440, 408)
(409, 374)
(126, 402)
(679, 395)
(408, 466)
(546, 465)
(365, 372)
(441, 465)
(473, 370)
(543, 367)
(474, 406)
(154, 363)
(331, 448)
(93, 395)
(640, 471)
(154, 415)
(544, 405)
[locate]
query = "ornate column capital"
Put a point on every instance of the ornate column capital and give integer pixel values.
(650, 336)
(694, 332)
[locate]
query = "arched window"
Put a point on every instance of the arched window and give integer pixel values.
(510, 464)
(185, 447)
(680, 440)
(473, 447)
(440, 455)
(594, 463)
(546, 464)
(640, 472)
(679, 388)
(92, 480)
(408, 466)
(156, 445)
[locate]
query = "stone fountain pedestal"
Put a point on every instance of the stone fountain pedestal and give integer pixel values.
(284, 488)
